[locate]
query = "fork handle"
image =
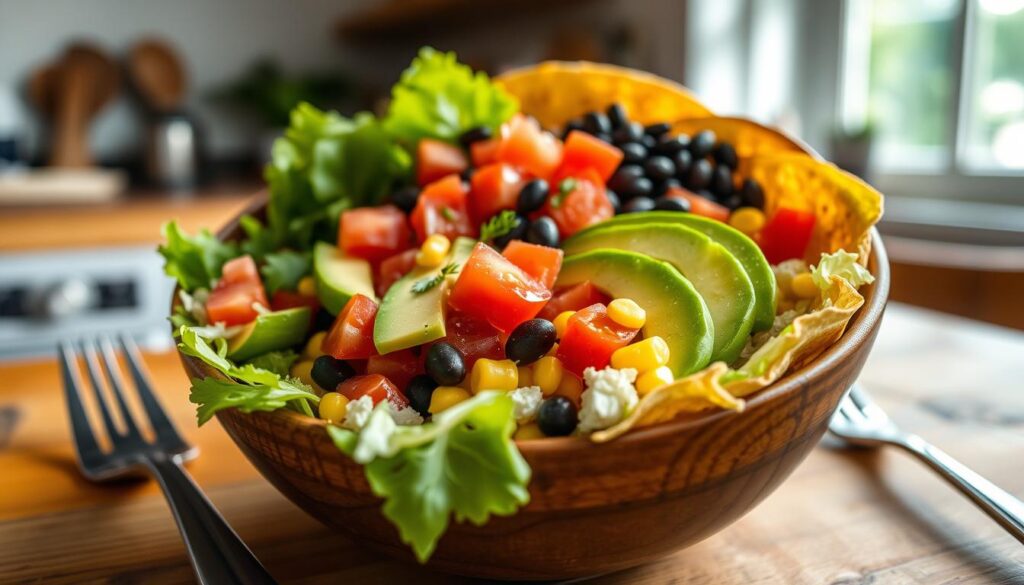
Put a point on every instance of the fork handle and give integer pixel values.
(218, 555)
(999, 504)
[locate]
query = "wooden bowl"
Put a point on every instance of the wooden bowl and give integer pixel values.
(593, 508)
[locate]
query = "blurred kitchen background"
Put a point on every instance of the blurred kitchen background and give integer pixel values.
(116, 116)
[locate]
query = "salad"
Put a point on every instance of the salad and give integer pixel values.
(568, 250)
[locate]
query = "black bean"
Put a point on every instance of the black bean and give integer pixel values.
(662, 187)
(445, 364)
(706, 194)
(530, 341)
(405, 199)
(631, 132)
(640, 187)
(659, 168)
(323, 320)
(671, 204)
(532, 196)
(624, 176)
(474, 135)
(669, 145)
(732, 202)
(638, 204)
(721, 181)
(633, 153)
(699, 176)
(467, 175)
(572, 125)
(604, 136)
(328, 372)
(419, 392)
(752, 194)
(648, 141)
(517, 233)
(725, 154)
(613, 199)
(702, 143)
(682, 159)
(597, 123)
(557, 417)
(617, 115)
(543, 231)
(658, 129)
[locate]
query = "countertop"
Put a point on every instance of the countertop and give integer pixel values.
(844, 517)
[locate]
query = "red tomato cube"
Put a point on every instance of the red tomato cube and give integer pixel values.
(495, 187)
(700, 205)
(398, 366)
(233, 304)
(484, 152)
(787, 234)
(239, 270)
(492, 288)
(526, 145)
(590, 339)
(582, 206)
(286, 299)
(351, 335)
(442, 209)
(540, 262)
(474, 337)
(375, 386)
(584, 151)
(373, 233)
(393, 268)
(576, 297)
(436, 159)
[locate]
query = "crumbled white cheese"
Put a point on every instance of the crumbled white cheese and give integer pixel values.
(526, 401)
(375, 436)
(406, 416)
(357, 413)
(609, 397)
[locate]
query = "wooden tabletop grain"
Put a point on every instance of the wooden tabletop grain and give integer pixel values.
(844, 517)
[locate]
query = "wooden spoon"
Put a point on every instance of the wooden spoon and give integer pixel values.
(158, 74)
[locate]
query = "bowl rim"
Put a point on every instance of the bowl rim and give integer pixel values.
(856, 334)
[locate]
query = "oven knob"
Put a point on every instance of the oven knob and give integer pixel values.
(65, 299)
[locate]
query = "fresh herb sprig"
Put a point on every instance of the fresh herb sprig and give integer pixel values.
(567, 186)
(424, 284)
(499, 225)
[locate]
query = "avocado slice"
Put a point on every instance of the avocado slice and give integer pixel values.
(270, 332)
(742, 247)
(714, 272)
(675, 311)
(339, 277)
(406, 318)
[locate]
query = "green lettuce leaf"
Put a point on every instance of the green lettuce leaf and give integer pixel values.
(463, 463)
(195, 261)
(438, 97)
(283, 270)
(279, 362)
(842, 264)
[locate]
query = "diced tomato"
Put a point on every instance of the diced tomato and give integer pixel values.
(576, 297)
(584, 151)
(492, 288)
(586, 204)
(373, 233)
(398, 366)
(700, 205)
(494, 187)
(436, 159)
(526, 145)
(540, 262)
(442, 209)
(393, 268)
(375, 386)
(474, 337)
(239, 270)
(351, 336)
(590, 339)
(286, 299)
(484, 152)
(232, 304)
(786, 234)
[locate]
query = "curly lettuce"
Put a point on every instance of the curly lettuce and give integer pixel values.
(194, 261)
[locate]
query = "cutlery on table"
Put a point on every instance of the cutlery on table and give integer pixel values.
(859, 421)
(217, 554)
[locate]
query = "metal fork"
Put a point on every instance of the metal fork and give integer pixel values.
(217, 554)
(859, 421)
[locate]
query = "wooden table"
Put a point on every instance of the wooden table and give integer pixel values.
(844, 517)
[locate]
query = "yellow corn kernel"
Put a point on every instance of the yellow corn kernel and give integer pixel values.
(313, 350)
(307, 286)
(494, 375)
(561, 321)
(433, 251)
(332, 407)
(803, 286)
(748, 220)
(644, 356)
(528, 432)
(655, 378)
(301, 370)
(553, 351)
(571, 387)
(547, 374)
(525, 376)
(627, 313)
(445, 397)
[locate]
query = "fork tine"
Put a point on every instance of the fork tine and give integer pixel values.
(85, 440)
(860, 397)
(117, 386)
(165, 430)
(850, 410)
(95, 376)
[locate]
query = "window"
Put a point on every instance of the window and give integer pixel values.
(939, 86)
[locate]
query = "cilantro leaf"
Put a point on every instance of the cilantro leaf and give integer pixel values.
(278, 362)
(463, 464)
(499, 225)
(438, 97)
(195, 261)
(284, 269)
(428, 282)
